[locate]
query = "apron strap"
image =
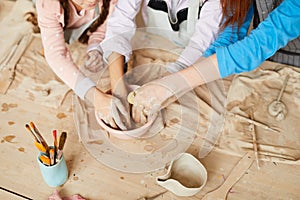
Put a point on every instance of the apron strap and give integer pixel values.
(173, 18)
(192, 17)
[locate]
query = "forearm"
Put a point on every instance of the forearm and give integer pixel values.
(204, 70)
(116, 71)
(281, 26)
(120, 29)
(59, 59)
(90, 95)
(56, 52)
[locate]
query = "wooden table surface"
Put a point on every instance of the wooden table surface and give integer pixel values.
(20, 174)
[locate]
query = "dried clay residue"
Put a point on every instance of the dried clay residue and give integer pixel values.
(6, 107)
(9, 138)
(61, 115)
(21, 149)
(11, 123)
(96, 142)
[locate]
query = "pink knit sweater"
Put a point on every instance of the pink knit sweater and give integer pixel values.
(51, 23)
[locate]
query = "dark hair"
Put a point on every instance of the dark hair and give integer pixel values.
(93, 27)
(234, 11)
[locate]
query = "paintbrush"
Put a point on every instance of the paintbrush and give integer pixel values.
(42, 140)
(40, 147)
(29, 130)
(45, 160)
(54, 132)
(51, 152)
(37, 142)
(62, 141)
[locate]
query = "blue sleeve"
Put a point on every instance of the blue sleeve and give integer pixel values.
(281, 26)
(230, 34)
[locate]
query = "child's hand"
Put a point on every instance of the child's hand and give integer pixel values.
(111, 110)
(94, 61)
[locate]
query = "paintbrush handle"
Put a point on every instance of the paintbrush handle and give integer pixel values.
(59, 154)
(54, 133)
(40, 147)
(32, 133)
(37, 132)
(52, 158)
(62, 140)
(45, 160)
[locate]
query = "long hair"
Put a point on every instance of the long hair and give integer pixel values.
(234, 11)
(93, 27)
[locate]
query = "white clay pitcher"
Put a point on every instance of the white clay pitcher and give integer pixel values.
(185, 176)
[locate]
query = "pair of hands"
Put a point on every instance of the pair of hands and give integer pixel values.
(155, 95)
(115, 111)
(148, 99)
(112, 110)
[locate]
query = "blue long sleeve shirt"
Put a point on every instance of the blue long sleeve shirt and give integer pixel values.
(230, 34)
(281, 26)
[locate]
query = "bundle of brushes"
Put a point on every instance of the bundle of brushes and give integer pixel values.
(50, 155)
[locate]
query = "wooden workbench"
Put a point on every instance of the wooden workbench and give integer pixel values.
(88, 177)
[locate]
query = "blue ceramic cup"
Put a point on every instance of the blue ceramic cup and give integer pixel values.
(54, 175)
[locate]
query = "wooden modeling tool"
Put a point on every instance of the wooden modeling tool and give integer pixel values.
(37, 132)
(62, 140)
(45, 160)
(236, 173)
(256, 123)
(8, 66)
(29, 130)
(277, 108)
(10, 54)
(252, 129)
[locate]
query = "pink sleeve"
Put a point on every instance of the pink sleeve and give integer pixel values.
(50, 19)
(97, 36)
